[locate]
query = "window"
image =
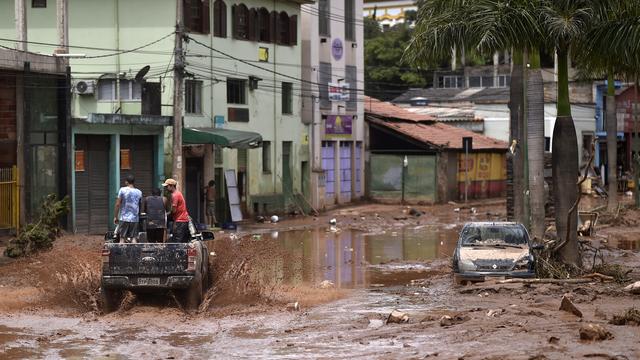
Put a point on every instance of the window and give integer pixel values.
(283, 28)
(324, 11)
(504, 81)
(487, 81)
(236, 91)
(240, 15)
(351, 77)
(452, 81)
(196, 16)
(287, 98)
(349, 20)
(264, 25)
(324, 80)
(129, 90)
(193, 96)
(219, 19)
(38, 4)
(266, 156)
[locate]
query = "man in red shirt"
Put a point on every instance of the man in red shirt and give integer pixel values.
(179, 212)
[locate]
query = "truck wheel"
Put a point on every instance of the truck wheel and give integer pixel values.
(192, 296)
(111, 299)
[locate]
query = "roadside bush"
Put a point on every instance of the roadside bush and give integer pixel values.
(41, 234)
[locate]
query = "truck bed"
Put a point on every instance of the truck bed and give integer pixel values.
(149, 265)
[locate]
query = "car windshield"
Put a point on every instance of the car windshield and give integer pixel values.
(488, 235)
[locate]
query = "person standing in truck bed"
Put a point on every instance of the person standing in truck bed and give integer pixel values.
(181, 233)
(127, 209)
(155, 206)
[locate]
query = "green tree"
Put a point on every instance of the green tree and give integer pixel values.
(386, 73)
(565, 24)
(483, 27)
(612, 49)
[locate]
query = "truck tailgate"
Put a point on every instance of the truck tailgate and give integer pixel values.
(146, 259)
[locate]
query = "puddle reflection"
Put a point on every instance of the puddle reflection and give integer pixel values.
(342, 258)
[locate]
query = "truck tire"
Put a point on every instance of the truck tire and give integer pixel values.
(110, 299)
(192, 296)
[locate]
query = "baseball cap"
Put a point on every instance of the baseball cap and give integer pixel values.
(170, 182)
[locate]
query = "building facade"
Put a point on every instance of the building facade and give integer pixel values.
(333, 93)
(243, 74)
(388, 12)
(34, 134)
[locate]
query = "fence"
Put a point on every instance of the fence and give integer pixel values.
(9, 199)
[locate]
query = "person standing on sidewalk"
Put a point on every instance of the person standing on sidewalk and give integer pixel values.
(210, 195)
(180, 232)
(126, 210)
(155, 206)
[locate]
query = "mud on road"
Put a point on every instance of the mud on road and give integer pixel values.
(47, 309)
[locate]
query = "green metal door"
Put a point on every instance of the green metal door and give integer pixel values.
(419, 178)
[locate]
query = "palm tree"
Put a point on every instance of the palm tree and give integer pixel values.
(612, 47)
(486, 26)
(565, 23)
(535, 143)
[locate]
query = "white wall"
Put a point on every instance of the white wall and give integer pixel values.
(496, 120)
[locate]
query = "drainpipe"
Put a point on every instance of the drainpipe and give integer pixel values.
(21, 25)
(117, 21)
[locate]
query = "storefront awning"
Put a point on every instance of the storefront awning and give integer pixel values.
(223, 137)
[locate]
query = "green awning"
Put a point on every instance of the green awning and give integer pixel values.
(224, 137)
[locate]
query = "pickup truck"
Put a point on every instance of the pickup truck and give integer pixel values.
(155, 268)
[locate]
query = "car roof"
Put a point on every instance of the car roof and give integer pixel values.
(492, 223)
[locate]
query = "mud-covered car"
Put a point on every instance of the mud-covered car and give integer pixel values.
(493, 249)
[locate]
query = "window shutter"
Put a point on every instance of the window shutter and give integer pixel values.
(186, 15)
(293, 30)
(234, 21)
(206, 17)
(217, 18)
(252, 26)
(273, 25)
(223, 19)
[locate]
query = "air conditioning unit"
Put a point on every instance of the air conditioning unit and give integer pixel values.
(84, 87)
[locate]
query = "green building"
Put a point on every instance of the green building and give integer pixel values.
(243, 71)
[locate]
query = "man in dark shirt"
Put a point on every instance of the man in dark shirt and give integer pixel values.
(155, 206)
(179, 213)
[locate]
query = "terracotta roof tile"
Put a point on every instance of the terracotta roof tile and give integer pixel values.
(430, 132)
(388, 110)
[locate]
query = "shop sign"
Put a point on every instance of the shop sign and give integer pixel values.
(338, 124)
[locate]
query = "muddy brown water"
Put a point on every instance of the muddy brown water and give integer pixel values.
(355, 259)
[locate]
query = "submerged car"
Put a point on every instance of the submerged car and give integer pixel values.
(493, 249)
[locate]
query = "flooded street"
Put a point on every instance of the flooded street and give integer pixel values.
(347, 282)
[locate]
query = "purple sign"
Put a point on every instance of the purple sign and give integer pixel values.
(336, 49)
(338, 125)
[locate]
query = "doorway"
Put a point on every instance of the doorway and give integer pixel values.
(287, 180)
(92, 183)
(194, 188)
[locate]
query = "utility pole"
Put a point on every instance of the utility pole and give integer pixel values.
(62, 21)
(178, 93)
(21, 24)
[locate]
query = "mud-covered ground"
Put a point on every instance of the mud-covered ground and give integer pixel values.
(379, 259)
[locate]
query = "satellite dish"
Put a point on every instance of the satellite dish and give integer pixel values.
(141, 74)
